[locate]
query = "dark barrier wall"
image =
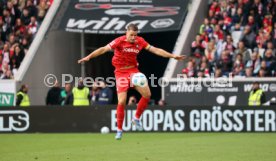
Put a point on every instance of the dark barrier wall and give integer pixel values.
(161, 119)
(224, 91)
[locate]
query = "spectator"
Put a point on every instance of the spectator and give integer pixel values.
(273, 33)
(66, 95)
(54, 95)
(12, 40)
(206, 27)
(161, 102)
(273, 69)
(225, 63)
(21, 4)
(248, 72)
(132, 101)
(261, 40)
(214, 9)
(238, 18)
(1, 63)
(19, 28)
(227, 22)
(105, 94)
(6, 53)
(262, 73)
(25, 44)
(254, 63)
(197, 55)
(198, 46)
(95, 92)
(267, 28)
(223, 7)
(252, 24)
(256, 96)
(200, 73)
(42, 10)
(228, 44)
(5, 67)
(270, 46)
(151, 102)
(32, 9)
(272, 9)
(237, 27)
(248, 37)
(243, 51)
(218, 73)
(33, 26)
(22, 97)
(8, 74)
(25, 17)
(210, 52)
(189, 71)
(238, 69)
(17, 57)
(15, 12)
(269, 58)
(218, 33)
(81, 95)
(9, 20)
(258, 8)
(214, 21)
(203, 70)
(266, 69)
(3, 29)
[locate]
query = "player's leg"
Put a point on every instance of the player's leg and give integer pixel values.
(122, 96)
(142, 105)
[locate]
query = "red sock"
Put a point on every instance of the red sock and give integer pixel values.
(120, 116)
(142, 105)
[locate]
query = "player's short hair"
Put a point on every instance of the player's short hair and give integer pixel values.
(132, 27)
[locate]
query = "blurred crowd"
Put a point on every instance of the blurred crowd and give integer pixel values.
(237, 38)
(19, 23)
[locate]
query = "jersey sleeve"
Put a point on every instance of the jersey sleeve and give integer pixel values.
(144, 43)
(113, 44)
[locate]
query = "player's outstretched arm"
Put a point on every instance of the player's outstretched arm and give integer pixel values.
(95, 53)
(163, 53)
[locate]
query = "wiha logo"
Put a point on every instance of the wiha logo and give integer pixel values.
(105, 23)
(131, 50)
(178, 88)
(265, 87)
(14, 120)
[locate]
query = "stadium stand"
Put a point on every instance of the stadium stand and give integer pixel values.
(238, 38)
(19, 23)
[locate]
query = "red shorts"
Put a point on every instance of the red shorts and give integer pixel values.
(123, 78)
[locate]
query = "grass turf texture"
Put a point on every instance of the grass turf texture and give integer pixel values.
(139, 147)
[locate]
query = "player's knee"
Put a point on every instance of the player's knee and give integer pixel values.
(122, 102)
(147, 95)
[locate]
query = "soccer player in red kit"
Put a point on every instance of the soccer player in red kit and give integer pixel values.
(126, 48)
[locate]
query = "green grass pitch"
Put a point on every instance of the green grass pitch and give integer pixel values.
(139, 147)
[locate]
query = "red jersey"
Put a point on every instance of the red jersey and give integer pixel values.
(125, 53)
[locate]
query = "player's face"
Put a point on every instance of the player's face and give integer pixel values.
(131, 36)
